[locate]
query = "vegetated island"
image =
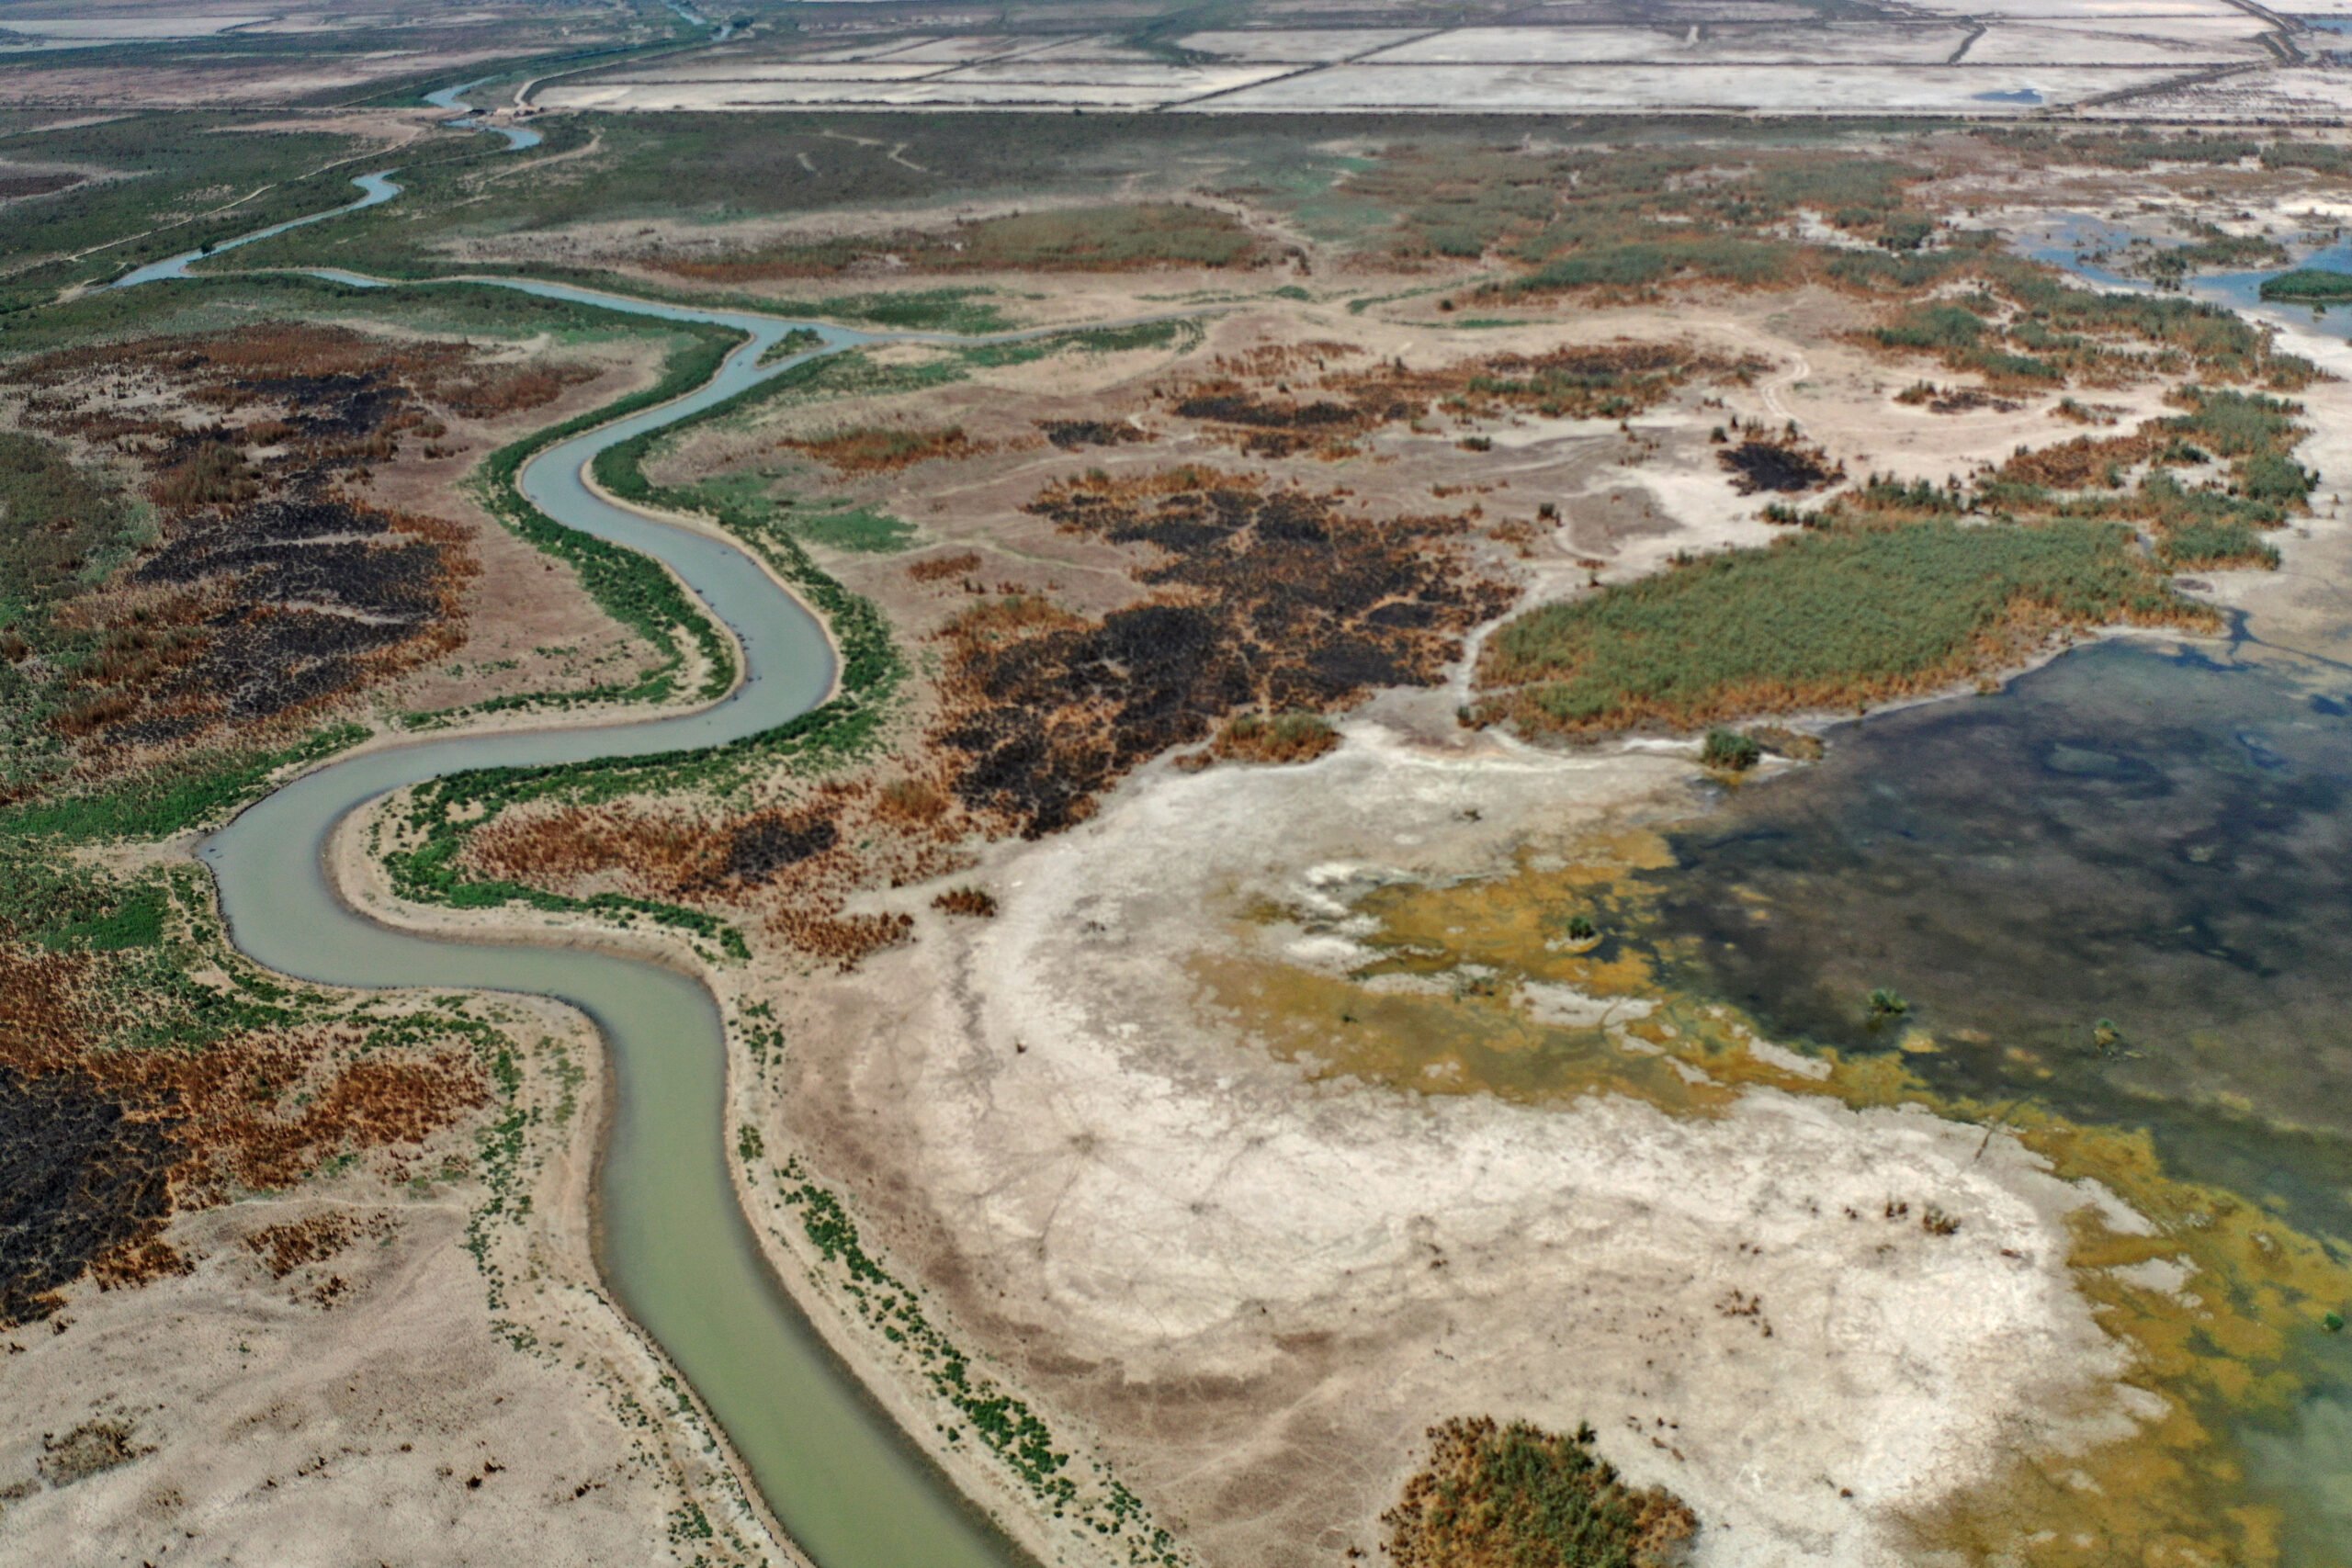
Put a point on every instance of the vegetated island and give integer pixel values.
(2309, 285)
(1895, 590)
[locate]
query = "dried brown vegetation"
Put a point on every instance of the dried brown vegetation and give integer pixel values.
(1272, 598)
(797, 864)
(940, 569)
(17, 184)
(1517, 1497)
(268, 591)
(967, 901)
(99, 1147)
(1261, 599)
(883, 450)
(313, 1238)
(1609, 381)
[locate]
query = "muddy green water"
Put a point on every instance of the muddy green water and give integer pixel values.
(673, 1243)
(2158, 836)
(848, 1487)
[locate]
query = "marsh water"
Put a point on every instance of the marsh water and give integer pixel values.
(2157, 837)
(673, 1243)
(2120, 889)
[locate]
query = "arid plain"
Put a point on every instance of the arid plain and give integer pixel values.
(1207, 1046)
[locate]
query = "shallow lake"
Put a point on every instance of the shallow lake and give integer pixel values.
(2122, 887)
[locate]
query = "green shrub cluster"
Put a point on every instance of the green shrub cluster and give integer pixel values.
(1823, 618)
(2210, 544)
(1518, 1496)
(2309, 285)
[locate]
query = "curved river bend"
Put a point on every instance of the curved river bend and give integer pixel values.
(673, 1243)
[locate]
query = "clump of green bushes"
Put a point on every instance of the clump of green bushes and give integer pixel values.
(1730, 751)
(1826, 618)
(1518, 1496)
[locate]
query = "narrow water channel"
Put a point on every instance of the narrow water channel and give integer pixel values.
(673, 1243)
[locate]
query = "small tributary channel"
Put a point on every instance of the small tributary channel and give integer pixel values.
(673, 1242)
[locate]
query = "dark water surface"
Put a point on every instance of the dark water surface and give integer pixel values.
(2156, 835)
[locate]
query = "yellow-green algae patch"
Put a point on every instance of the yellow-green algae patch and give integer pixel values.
(2219, 1303)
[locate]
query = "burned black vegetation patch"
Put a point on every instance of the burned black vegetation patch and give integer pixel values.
(1071, 435)
(81, 1177)
(1275, 599)
(1784, 466)
(289, 601)
(267, 588)
(766, 844)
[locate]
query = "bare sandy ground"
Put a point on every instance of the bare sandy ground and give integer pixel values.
(1258, 1290)
(528, 628)
(371, 1405)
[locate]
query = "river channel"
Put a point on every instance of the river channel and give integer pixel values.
(673, 1242)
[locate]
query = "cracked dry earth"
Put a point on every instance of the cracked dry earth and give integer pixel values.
(1259, 1287)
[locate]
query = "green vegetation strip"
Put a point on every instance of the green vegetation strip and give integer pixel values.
(1815, 619)
(2309, 285)
(634, 588)
(1006, 1425)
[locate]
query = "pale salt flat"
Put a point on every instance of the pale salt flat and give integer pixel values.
(954, 90)
(1105, 74)
(1096, 47)
(1680, 12)
(2032, 44)
(2079, 10)
(869, 48)
(1828, 43)
(2303, 96)
(95, 29)
(688, 72)
(1785, 89)
(1171, 86)
(952, 50)
(1297, 46)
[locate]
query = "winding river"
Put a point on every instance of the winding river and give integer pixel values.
(674, 1244)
